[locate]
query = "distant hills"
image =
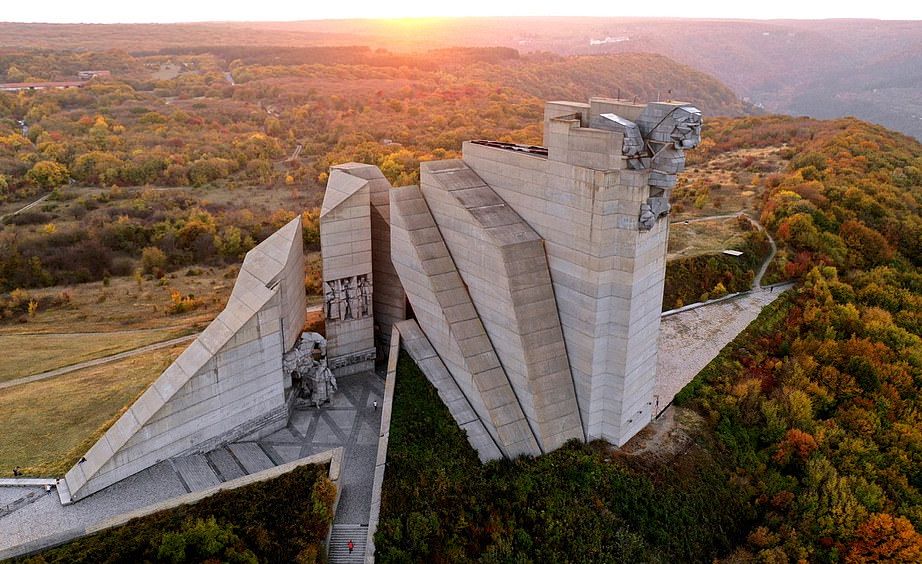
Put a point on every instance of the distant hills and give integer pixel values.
(867, 68)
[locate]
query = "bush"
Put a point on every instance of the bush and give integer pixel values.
(576, 503)
(261, 522)
(153, 260)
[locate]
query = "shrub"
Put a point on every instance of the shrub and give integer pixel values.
(153, 260)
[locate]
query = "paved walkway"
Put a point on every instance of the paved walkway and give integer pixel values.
(350, 421)
(689, 340)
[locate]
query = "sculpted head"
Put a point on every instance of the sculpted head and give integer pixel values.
(686, 133)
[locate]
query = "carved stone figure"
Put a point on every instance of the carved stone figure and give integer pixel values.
(348, 298)
(307, 364)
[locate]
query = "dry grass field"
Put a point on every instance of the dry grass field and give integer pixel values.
(703, 237)
(28, 354)
(124, 304)
(728, 183)
(47, 425)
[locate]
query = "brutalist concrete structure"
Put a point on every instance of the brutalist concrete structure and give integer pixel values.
(536, 273)
(227, 384)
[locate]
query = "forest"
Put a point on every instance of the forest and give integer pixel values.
(170, 155)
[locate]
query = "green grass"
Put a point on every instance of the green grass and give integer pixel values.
(704, 237)
(25, 355)
(47, 425)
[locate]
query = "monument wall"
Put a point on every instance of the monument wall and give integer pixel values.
(228, 383)
(584, 198)
(348, 279)
(443, 308)
(502, 262)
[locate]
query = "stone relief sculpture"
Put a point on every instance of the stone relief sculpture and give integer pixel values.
(657, 141)
(307, 364)
(348, 298)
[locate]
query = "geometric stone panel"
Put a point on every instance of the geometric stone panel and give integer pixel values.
(444, 311)
(503, 264)
(345, 243)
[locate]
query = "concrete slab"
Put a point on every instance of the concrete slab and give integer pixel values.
(251, 457)
(196, 472)
(226, 464)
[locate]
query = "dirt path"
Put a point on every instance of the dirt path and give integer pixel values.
(26, 207)
(110, 358)
(757, 281)
(95, 362)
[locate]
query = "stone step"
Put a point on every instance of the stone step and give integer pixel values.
(251, 456)
(226, 464)
(338, 551)
(195, 472)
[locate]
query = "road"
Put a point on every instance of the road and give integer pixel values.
(95, 362)
(26, 207)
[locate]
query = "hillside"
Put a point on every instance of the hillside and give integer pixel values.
(825, 69)
(195, 169)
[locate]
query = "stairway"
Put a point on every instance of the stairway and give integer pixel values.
(339, 543)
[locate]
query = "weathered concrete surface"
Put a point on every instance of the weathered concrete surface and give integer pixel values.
(389, 299)
(691, 339)
(444, 310)
(503, 264)
(227, 383)
(345, 243)
(607, 275)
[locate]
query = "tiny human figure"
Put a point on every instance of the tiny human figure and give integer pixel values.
(351, 545)
(375, 403)
(17, 472)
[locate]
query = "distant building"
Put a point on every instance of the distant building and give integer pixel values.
(90, 74)
(15, 86)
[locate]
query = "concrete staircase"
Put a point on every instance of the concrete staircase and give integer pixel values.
(201, 471)
(339, 543)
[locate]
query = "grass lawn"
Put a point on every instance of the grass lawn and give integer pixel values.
(47, 425)
(29, 354)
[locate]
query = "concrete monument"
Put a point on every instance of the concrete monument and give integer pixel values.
(536, 273)
(228, 383)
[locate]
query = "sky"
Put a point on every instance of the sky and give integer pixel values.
(167, 11)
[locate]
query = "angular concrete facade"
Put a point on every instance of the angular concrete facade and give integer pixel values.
(502, 262)
(345, 243)
(535, 273)
(584, 198)
(443, 307)
(228, 383)
(389, 298)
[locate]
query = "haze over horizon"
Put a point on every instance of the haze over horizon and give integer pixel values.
(177, 11)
